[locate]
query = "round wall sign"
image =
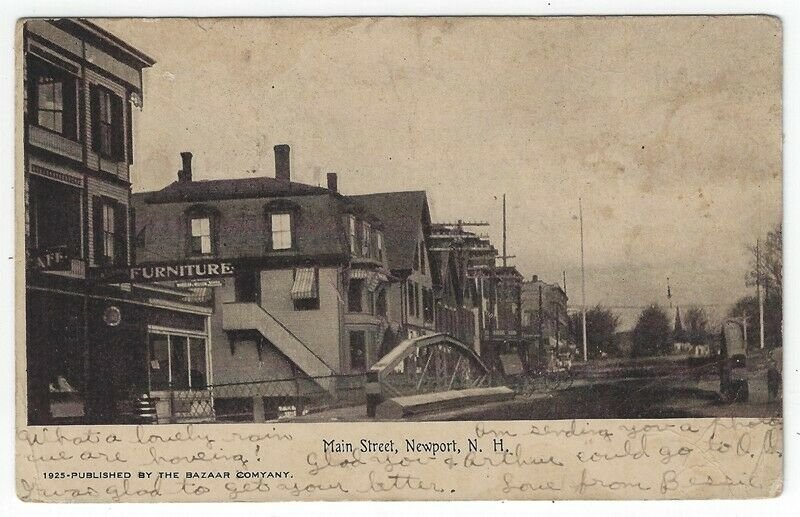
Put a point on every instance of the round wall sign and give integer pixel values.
(112, 316)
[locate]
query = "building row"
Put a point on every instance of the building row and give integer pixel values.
(262, 284)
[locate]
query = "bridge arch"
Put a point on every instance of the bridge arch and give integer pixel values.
(426, 364)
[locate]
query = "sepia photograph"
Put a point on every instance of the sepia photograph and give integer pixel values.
(486, 257)
(357, 219)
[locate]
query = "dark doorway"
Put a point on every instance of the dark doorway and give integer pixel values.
(247, 284)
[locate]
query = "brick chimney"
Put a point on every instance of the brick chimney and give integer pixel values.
(333, 182)
(282, 171)
(185, 174)
(535, 278)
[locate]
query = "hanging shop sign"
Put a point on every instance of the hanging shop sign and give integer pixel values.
(166, 272)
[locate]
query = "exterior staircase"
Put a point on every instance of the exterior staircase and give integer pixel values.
(251, 316)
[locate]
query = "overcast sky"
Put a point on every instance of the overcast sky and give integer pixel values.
(669, 129)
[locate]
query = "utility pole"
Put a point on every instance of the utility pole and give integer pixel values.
(565, 281)
(505, 255)
(583, 285)
(541, 327)
(760, 298)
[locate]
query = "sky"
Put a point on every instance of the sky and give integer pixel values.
(667, 129)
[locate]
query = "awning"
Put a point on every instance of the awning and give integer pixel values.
(305, 284)
(199, 295)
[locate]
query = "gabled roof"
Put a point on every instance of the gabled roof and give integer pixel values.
(404, 215)
(241, 188)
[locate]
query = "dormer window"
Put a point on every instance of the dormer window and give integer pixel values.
(201, 229)
(281, 225)
(201, 236)
(281, 220)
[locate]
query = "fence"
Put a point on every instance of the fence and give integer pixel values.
(259, 401)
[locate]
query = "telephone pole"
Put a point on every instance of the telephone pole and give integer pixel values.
(583, 286)
(760, 298)
(505, 255)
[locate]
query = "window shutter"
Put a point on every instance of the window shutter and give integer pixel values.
(33, 93)
(70, 118)
(94, 102)
(134, 237)
(118, 124)
(129, 131)
(121, 235)
(97, 229)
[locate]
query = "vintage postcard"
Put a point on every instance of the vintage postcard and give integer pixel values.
(272, 259)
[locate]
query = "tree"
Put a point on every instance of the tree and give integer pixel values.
(601, 329)
(651, 335)
(697, 326)
(769, 253)
(766, 270)
(747, 308)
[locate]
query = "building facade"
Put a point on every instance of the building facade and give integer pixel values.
(412, 297)
(545, 317)
(86, 338)
(305, 295)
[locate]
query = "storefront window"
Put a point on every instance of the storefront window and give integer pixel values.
(197, 351)
(177, 360)
(159, 362)
(179, 364)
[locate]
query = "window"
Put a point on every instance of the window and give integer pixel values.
(354, 290)
(366, 239)
(197, 362)
(50, 105)
(380, 303)
(422, 257)
(416, 258)
(53, 99)
(107, 123)
(177, 361)
(108, 232)
(351, 225)
(201, 230)
(159, 362)
(358, 350)
(201, 236)
(379, 246)
(54, 217)
(281, 229)
(416, 299)
(427, 304)
(110, 224)
(410, 298)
